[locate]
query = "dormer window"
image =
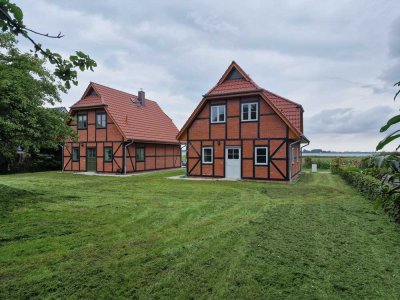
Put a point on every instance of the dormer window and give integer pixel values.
(91, 92)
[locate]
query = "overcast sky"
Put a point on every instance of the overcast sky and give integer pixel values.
(339, 59)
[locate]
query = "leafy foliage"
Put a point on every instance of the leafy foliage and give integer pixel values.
(25, 87)
(372, 188)
(11, 20)
(392, 121)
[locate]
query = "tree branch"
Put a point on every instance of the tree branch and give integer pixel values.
(58, 36)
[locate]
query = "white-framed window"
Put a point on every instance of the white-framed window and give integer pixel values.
(261, 156)
(250, 111)
(207, 155)
(218, 113)
(233, 153)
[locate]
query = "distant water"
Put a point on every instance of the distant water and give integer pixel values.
(342, 154)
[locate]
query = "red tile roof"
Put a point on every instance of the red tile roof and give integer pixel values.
(146, 123)
(88, 101)
(235, 85)
(289, 110)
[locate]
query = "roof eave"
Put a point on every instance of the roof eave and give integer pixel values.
(87, 107)
(208, 95)
(304, 140)
(155, 141)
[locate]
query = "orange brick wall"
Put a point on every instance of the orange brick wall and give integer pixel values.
(269, 131)
(157, 156)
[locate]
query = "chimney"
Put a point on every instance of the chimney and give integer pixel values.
(141, 97)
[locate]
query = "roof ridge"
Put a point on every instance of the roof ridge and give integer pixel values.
(118, 91)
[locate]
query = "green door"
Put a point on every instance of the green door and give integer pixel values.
(91, 159)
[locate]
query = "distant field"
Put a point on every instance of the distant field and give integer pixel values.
(324, 162)
(67, 236)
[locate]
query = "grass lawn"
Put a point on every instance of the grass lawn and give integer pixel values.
(74, 236)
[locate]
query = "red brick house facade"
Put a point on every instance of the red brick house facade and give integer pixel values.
(242, 131)
(120, 133)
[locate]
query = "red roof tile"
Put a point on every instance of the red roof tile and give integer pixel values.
(88, 101)
(291, 110)
(146, 123)
(235, 85)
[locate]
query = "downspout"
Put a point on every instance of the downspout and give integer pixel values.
(290, 159)
(125, 147)
(301, 151)
(62, 157)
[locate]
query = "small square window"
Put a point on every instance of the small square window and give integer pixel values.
(261, 154)
(139, 154)
(233, 153)
(75, 154)
(82, 121)
(108, 154)
(218, 113)
(207, 155)
(250, 111)
(101, 120)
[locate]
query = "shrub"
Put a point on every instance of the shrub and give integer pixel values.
(44, 162)
(322, 162)
(307, 162)
(371, 188)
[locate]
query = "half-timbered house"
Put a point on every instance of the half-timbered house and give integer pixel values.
(120, 133)
(240, 130)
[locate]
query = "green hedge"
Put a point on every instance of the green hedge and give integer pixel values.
(373, 189)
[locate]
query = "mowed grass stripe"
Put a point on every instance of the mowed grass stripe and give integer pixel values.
(65, 235)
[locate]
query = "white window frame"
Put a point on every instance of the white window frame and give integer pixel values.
(266, 154)
(203, 156)
(218, 108)
(249, 114)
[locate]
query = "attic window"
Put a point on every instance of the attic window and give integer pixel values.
(234, 74)
(91, 92)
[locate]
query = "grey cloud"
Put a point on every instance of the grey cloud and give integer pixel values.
(394, 44)
(320, 53)
(349, 120)
(391, 74)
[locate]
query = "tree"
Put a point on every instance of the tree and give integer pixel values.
(11, 20)
(25, 87)
(392, 121)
